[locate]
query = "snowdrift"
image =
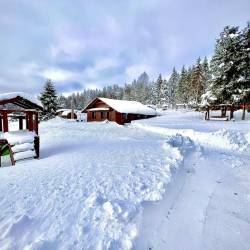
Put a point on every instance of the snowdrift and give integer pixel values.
(88, 188)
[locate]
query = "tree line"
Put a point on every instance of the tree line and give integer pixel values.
(186, 87)
(223, 79)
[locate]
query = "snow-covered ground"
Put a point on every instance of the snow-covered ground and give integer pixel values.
(171, 182)
(206, 206)
(86, 190)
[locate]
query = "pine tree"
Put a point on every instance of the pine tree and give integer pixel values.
(164, 93)
(207, 76)
(140, 88)
(225, 66)
(197, 83)
(182, 92)
(243, 93)
(62, 102)
(172, 86)
(159, 92)
(143, 78)
(48, 99)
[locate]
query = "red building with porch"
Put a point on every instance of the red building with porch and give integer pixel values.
(119, 111)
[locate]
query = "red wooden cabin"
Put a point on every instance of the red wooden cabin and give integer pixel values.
(19, 106)
(119, 111)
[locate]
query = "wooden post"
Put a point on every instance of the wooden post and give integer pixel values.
(30, 115)
(37, 146)
(244, 111)
(207, 116)
(36, 123)
(231, 112)
(1, 125)
(20, 119)
(27, 121)
(5, 122)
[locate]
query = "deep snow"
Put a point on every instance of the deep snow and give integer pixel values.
(86, 190)
(106, 186)
(206, 206)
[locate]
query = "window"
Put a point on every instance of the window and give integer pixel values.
(94, 115)
(103, 114)
(125, 116)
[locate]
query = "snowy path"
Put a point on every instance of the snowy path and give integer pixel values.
(207, 204)
(206, 207)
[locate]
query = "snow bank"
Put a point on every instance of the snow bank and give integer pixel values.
(18, 137)
(88, 188)
(22, 147)
(247, 136)
(24, 155)
(230, 139)
(223, 139)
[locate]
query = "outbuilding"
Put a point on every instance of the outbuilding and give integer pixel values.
(66, 113)
(119, 111)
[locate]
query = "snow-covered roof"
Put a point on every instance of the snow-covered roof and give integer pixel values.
(12, 95)
(66, 112)
(61, 110)
(98, 109)
(128, 107)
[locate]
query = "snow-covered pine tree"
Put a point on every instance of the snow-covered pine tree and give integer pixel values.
(172, 86)
(62, 102)
(225, 66)
(127, 92)
(141, 88)
(197, 82)
(164, 93)
(48, 99)
(207, 76)
(156, 91)
(182, 93)
(143, 78)
(244, 67)
(159, 86)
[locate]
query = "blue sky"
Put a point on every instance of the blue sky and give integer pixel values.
(86, 44)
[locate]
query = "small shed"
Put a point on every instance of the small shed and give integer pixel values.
(20, 107)
(119, 111)
(66, 113)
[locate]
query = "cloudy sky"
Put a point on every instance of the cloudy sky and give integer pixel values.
(86, 44)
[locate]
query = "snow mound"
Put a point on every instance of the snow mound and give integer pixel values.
(223, 139)
(18, 137)
(234, 140)
(184, 143)
(247, 136)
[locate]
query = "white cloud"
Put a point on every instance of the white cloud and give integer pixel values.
(106, 42)
(100, 64)
(72, 48)
(57, 74)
